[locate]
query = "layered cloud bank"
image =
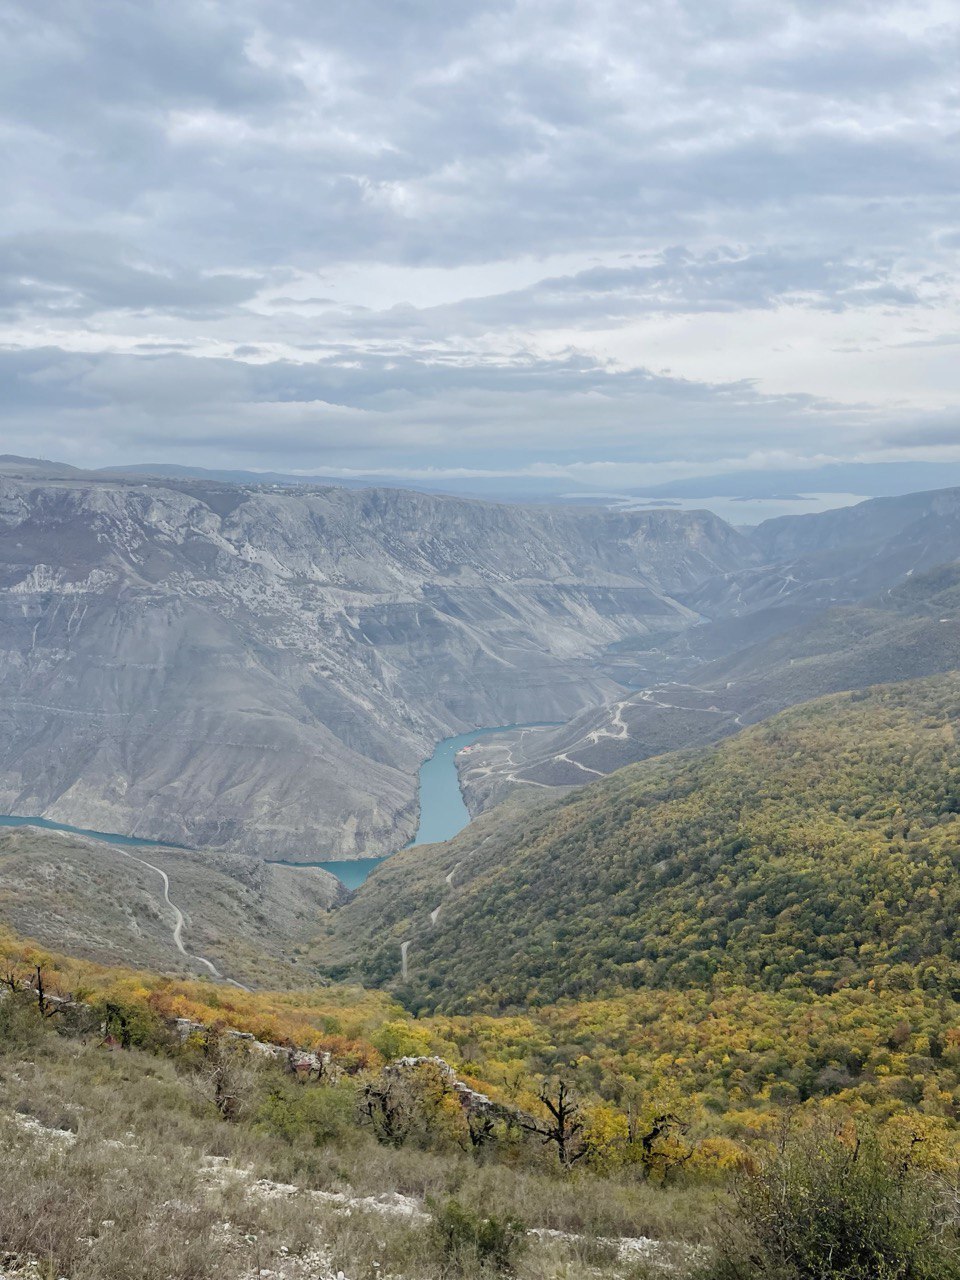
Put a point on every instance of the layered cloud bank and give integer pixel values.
(538, 236)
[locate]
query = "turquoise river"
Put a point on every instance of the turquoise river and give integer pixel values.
(442, 811)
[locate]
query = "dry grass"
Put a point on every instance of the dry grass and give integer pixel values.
(107, 1175)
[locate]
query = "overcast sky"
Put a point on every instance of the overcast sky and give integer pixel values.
(616, 241)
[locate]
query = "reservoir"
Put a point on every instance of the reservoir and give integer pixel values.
(131, 842)
(442, 811)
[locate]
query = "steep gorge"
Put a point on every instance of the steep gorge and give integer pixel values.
(263, 670)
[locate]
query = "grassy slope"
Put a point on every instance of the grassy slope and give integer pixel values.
(816, 850)
(116, 1166)
(87, 897)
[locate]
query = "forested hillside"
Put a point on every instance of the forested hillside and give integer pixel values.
(816, 851)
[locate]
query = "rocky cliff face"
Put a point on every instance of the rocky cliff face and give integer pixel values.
(840, 600)
(264, 670)
(836, 557)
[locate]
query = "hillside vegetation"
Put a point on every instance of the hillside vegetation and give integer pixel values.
(163, 1158)
(814, 852)
(908, 632)
(182, 1150)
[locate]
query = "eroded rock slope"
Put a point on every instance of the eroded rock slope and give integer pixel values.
(264, 670)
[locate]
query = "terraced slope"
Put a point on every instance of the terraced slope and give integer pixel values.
(912, 629)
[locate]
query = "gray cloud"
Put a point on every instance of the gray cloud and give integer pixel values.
(676, 282)
(539, 126)
(333, 410)
(82, 273)
(170, 165)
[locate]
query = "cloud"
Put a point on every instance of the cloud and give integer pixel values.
(434, 220)
(76, 274)
(333, 411)
(675, 282)
(419, 133)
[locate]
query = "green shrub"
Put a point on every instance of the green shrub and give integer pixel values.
(827, 1206)
(400, 1040)
(310, 1113)
(21, 1025)
(131, 1024)
(467, 1242)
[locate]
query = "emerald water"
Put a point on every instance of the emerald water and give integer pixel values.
(442, 811)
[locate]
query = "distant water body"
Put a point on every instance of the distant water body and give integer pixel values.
(442, 811)
(108, 837)
(741, 511)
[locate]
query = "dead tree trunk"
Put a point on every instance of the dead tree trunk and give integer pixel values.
(47, 1006)
(564, 1126)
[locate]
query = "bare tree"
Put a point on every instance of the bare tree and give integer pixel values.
(47, 1004)
(384, 1106)
(564, 1125)
(480, 1126)
(226, 1076)
(670, 1127)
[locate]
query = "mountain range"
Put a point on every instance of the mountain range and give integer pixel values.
(867, 479)
(263, 670)
(835, 601)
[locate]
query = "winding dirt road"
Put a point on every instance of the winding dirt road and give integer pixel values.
(179, 922)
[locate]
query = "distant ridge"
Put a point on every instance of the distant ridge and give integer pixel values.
(502, 489)
(864, 479)
(14, 464)
(869, 479)
(525, 489)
